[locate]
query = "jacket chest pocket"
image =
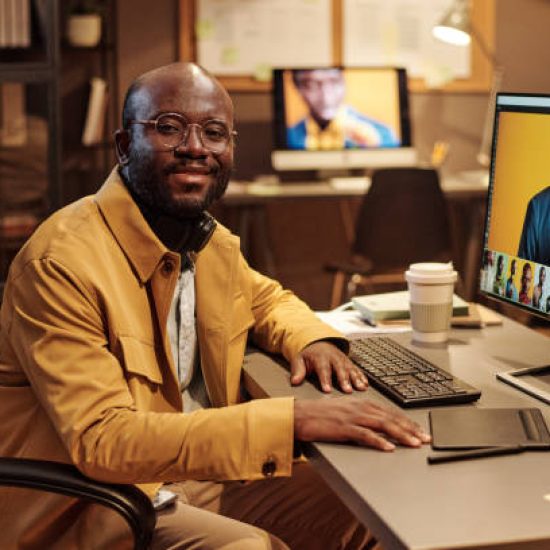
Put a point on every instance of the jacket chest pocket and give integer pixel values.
(142, 369)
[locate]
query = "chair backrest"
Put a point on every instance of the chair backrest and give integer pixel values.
(403, 219)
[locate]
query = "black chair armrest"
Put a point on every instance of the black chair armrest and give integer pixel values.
(130, 502)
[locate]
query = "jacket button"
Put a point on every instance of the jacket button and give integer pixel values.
(269, 467)
(168, 267)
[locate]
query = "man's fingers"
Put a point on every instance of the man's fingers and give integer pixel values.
(342, 370)
(369, 438)
(409, 425)
(328, 362)
(358, 379)
(323, 369)
(396, 426)
(297, 370)
(348, 375)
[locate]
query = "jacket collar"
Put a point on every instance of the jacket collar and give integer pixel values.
(142, 247)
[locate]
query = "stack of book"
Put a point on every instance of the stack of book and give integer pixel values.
(395, 305)
(15, 24)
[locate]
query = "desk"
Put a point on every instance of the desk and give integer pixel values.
(497, 502)
(465, 191)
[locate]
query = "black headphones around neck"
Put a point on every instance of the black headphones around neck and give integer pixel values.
(201, 232)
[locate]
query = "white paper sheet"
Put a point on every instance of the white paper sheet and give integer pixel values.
(350, 324)
(398, 33)
(236, 37)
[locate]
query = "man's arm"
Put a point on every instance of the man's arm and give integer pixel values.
(284, 324)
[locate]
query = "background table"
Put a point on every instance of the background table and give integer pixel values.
(245, 206)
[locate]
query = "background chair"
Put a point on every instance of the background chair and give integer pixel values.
(128, 501)
(403, 219)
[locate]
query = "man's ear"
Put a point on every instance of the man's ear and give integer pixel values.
(122, 145)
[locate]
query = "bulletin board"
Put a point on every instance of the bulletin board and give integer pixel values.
(226, 37)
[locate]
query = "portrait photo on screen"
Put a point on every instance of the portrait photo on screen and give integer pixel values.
(521, 190)
(333, 108)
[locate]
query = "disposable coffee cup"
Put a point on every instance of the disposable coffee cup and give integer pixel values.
(431, 289)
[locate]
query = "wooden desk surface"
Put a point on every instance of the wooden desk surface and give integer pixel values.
(496, 502)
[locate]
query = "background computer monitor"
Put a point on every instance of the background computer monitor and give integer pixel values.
(516, 251)
(369, 109)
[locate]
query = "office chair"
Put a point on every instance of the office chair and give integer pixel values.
(128, 501)
(402, 220)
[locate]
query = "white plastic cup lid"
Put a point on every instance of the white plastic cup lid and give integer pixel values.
(431, 273)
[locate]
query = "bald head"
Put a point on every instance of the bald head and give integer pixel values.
(171, 81)
(182, 178)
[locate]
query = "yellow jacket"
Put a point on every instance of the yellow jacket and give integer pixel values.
(86, 373)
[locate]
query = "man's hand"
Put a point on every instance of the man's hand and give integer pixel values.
(326, 360)
(357, 420)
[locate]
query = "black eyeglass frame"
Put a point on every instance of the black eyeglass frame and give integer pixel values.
(187, 129)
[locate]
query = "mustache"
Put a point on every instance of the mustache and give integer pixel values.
(193, 167)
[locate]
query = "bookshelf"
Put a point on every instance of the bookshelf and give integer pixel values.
(45, 91)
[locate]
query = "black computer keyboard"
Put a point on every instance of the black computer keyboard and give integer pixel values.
(406, 377)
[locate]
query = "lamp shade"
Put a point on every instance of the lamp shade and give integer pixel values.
(454, 28)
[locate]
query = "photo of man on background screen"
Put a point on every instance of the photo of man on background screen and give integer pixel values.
(330, 123)
(538, 290)
(534, 244)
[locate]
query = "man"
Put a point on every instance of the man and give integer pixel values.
(123, 329)
(498, 283)
(511, 291)
(538, 290)
(525, 289)
(331, 124)
(535, 237)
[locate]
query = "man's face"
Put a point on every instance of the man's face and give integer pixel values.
(323, 90)
(542, 275)
(184, 181)
(526, 278)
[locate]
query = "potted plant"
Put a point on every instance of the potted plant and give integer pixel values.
(84, 23)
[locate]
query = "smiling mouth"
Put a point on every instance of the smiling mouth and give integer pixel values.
(191, 180)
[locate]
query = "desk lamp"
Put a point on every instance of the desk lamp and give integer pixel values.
(456, 28)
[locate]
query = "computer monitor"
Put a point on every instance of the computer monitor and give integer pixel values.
(516, 247)
(335, 118)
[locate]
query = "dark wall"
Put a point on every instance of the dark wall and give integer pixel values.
(147, 37)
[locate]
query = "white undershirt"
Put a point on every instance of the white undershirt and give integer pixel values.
(183, 340)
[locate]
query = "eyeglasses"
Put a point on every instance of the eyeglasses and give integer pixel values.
(172, 129)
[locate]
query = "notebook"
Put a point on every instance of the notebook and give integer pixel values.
(395, 305)
(473, 428)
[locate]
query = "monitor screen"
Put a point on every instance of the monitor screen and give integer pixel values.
(334, 110)
(516, 251)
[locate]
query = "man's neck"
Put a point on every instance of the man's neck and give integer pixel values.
(174, 233)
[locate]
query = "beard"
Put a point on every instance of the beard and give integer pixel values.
(152, 192)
